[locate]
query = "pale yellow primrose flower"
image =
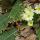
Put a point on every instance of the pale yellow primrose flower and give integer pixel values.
(36, 11)
(30, 23)
(28, 15)
(37, 7)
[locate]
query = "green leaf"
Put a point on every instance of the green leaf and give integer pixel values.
(3, 21)
(10, 35)
(38, 33)
(16, 11)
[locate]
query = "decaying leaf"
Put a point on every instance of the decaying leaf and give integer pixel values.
(7, 5)
(26, 34)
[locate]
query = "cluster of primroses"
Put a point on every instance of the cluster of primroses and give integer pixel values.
(29, 13)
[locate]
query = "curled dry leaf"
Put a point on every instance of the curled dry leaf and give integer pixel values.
(26, 34)
(31, 37)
